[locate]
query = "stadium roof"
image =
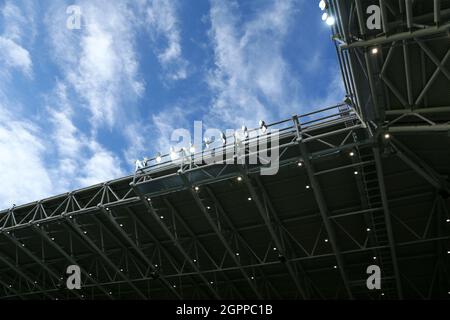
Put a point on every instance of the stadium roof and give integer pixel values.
(361, 183)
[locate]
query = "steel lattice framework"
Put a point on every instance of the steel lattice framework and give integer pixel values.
(363, 182)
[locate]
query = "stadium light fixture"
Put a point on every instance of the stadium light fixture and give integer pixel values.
(262, 126)
(330, 20)
(322, 5)
(351, 153)
(374, 50)
(249, 199)
(245, 130)
(325, 16)
(239, 178)
(173, 153)
(224, 138)
(192, 149)
(356, 173)
(158, 158)
(387, 136)
(208, 142)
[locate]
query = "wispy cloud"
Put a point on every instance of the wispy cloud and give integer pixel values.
(16, 28)
(23, 174)
(162, 20)
(14, 56)
(99, 61)
(251, 79)
(81, 160)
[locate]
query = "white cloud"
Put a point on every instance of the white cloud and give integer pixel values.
(251, 79)
(163, 22)
(14, 56)
(17, 27)
(23, 173)
(81, 160)
(99, 61)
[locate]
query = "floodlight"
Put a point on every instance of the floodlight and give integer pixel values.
(322, 5)
(158, 157)
(244, 129)
(330, 21)
(208, 142)
(173, 153)
(262, 126)
(224, 138)
(324, 16)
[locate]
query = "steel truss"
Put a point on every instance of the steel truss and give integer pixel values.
(168, 231)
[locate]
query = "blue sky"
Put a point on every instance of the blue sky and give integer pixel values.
(77, 107)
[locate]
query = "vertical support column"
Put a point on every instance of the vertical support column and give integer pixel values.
(387, 217)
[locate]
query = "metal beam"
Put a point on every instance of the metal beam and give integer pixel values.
(387, 218)
(320, 200)
(430, 31)
(278, 243)
(222, 239)
(71, 260)
(71, 223)
(194, 236)
(151, 210)
(157, 242)
(9, 287)
(23, 275)
(43, 265)
(419, 166)
(121, 231)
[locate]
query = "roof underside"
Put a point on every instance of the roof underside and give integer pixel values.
(351, 191)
